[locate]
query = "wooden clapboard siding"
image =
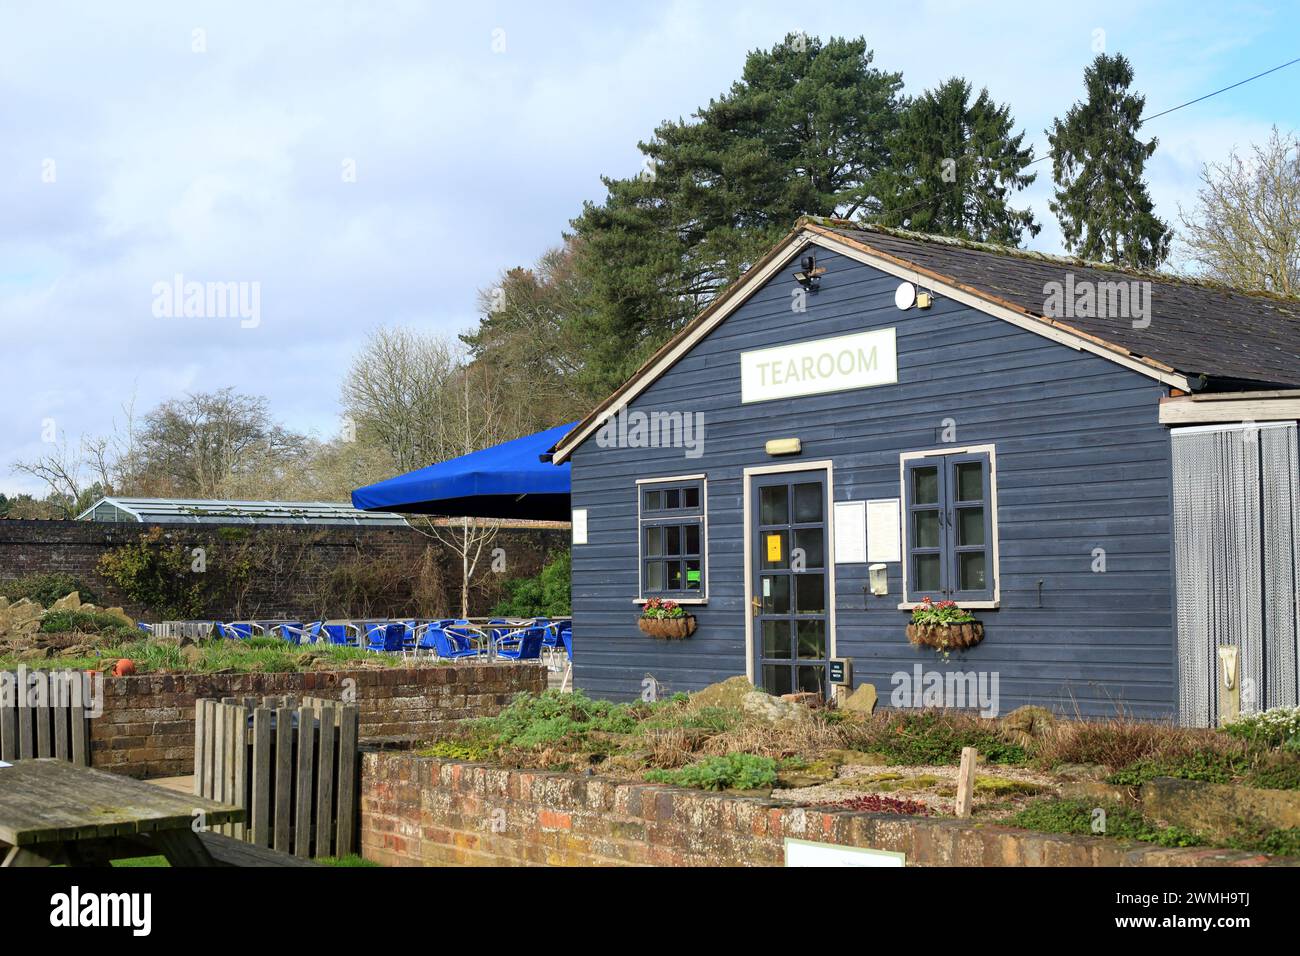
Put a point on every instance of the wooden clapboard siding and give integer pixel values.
(1082, 463)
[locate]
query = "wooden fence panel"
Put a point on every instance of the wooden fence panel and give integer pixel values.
(55, 726)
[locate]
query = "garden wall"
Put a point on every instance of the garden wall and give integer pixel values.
(307, 557)
(147, 727)
(422, 811)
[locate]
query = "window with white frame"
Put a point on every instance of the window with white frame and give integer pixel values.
(672, 538)
(949, 503)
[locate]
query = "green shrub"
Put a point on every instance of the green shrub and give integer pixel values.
(45, 588)
(546, 595)
(1204, 765)
(457, 750)
(1278, 772)
(1278, 842)
(158, 574)
(937, 737)
(531, 721)
(1077, 816)
(1269, 728)
(87, 622)
(731, 772)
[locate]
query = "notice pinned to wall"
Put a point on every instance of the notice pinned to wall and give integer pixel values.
(850, 532)
(773, 547)
(884, 530)
(579, 525)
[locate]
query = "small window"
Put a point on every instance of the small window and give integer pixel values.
(672, 539)
(949, 527)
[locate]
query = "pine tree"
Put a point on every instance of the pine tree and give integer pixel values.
(803, 132)
(1102, 203)
(953, 165)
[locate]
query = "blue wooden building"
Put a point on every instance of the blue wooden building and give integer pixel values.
(1100, 465)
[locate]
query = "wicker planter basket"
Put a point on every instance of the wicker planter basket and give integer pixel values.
(668, 628)
(950, 637)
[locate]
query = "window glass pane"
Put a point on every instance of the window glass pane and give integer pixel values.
(925, 529)
(773, 505)
(654, 542)
(674, 569)
(672, 539)
(810, 679)
(810, 593)
(776, 593)
(654, 500)
(693, 576)
(654, 576)
(690, 497)
(672, 498)
(970, 481)
(777, 679)
(971, 571)
(925, 486)
(808, 502)
(692, 532)
(776, 639)
(809, 541)
(925, 574)
(970, 525)
(774, 549)
(812, 639)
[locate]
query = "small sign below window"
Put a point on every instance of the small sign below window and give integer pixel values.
(579, 525)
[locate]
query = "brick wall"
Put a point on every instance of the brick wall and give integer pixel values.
(75, 547)
(147, 727)
(421, 811)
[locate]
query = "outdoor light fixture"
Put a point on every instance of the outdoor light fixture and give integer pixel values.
(783, 446)
(810, 276)
(879, 579)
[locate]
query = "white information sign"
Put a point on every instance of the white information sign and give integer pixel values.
(807, 853)
(884, 533)
(579, 525)
(850, 532)
(860, 360)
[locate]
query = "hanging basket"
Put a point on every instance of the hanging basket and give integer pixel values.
(668, 628)
(946, 637)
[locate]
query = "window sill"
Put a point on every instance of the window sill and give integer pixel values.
(684, 600)
(964, 605)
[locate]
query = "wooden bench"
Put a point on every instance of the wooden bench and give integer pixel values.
(227, 851)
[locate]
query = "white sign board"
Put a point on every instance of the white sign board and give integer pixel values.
(579, 525)
(806, 853)
(860, 360)
(884, 534)
(850, 532)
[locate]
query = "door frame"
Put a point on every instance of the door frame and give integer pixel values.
(827, 466)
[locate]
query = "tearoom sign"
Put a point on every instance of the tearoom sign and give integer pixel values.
(860, 360)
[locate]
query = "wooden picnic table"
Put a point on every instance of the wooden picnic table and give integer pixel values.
(52, 811)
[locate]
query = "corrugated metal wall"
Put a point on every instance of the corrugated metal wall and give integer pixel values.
(1237, 560)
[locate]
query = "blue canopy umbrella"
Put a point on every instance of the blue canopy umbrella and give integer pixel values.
(505, 481)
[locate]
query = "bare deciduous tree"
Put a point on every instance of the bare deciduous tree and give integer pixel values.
(1245, 230)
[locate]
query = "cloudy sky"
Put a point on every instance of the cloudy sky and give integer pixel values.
(377, 163)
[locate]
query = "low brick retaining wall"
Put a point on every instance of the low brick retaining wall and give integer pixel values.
(147, 728)
(422, 811)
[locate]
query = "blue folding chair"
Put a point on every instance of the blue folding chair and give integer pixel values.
(387, 638)
(239, 630)
(297, 634)
(449, 647)
(567, 637)
(343, 635)
(522, 645)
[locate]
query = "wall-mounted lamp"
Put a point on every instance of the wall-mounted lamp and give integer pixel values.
(783, 446)
(809, 275)
(878, 578)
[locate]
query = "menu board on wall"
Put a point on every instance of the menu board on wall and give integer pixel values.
(884, 533)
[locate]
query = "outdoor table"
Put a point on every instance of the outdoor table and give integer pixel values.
(54, 812)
